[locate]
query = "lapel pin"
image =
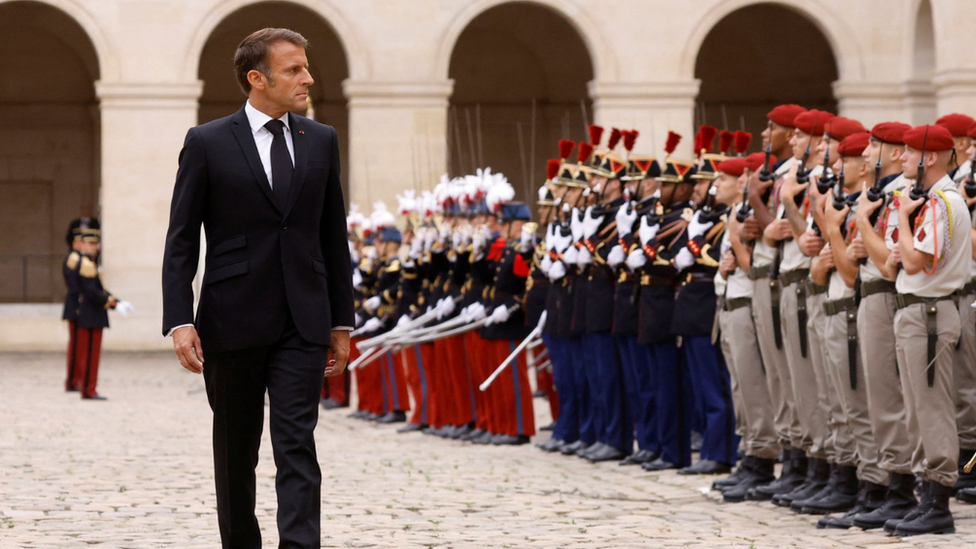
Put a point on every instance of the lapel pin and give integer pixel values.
(301, 132)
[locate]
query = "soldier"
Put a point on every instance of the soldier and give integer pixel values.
(69, 271)
(934, 265)
(958, 125)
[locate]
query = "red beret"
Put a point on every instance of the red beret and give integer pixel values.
(839, 127)
(957, 124)
(854, 144)
(784, 115)
(812, 122)
(930, 138)
(892, 133)
(755, 161)
(733, 166)
(971, 132)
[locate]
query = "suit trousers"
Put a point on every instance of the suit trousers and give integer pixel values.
(710, 378)
(739, 338)
(584, 392)
(567, 424)
(291, 371)
(930, 411)
(641, 383)
(813, 422)
(964, 373)
(777, 372)
(673, 406)
(886, 402)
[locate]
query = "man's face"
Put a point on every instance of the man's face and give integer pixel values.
(647, 187)
(855, 172)
(287, 89)
(963, 145)
(827, 145)
(779, 136)
(89, 248)
(800, 141)
(700, 190)
(727, 188)
(909, 162)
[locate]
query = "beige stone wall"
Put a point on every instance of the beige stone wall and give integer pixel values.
(891, 63)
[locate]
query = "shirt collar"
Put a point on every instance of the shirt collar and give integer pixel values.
(257, 119)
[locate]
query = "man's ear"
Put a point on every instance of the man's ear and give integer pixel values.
(257, 79)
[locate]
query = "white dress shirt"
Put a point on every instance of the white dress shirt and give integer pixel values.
(263, 139)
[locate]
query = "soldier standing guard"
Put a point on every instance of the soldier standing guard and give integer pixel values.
(69, 270)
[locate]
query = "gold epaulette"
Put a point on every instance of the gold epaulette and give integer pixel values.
(88, 267)
(393, 267)
(73, 259)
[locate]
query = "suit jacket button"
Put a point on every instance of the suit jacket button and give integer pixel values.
(284, 227)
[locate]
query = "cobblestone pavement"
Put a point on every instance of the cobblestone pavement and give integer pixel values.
(136, 472)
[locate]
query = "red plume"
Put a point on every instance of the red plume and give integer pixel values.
(672, 144)
(552, 168)
(725, 139)
(566, 148)
(698, 144)
(585, 150)
(630, 139)
(615, 136)
(596, 134)
(707, 138)
(742, 140)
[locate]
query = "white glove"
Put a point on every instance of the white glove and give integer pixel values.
(626, 216)
(526, 241)
(357, 278)
(353, 254)
(684, 259)
(475, 312)
(571, 255)
(405, 319)
(499, 316)
(479, 240)
(372, 325)
(557, 271)
(429, 236)
(698, 228)
(357, 320)
(584, 257)
(617, 256)
(546, 264)
(590, 224)
(647, 232)
(374, 302)
(576, 224)
(559, 242)
(636, 259)
(456, 240)
(445, 306)
(550, 235)
(445, 231)
(124, 308)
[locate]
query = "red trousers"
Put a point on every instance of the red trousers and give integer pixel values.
(394, 383)
(460, 381)
(510, 394)
(69, 382)
(416, 374)
(337, 388)
(544, 381)
(475, 353)
(87, 352)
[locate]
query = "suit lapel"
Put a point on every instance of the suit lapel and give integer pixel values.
(242, 131)
(300, 142)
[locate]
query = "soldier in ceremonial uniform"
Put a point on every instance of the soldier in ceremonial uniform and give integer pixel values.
(934, 253)
(72, 283)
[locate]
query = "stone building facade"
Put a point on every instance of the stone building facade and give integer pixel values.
(96, 97)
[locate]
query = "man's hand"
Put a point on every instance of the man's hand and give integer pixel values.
(827, 258)
(778, 230)
(857, 250)
(186, 345)
(338, 353)
(750, 229)
(810, 244)
(728, 265)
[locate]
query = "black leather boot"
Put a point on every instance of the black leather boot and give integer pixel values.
(899, 501)
(818, 472)
(736, 476)
(937, 519)
(787, 482)
(920, 509)
(841, 497)
(758, 474)
(869, 497)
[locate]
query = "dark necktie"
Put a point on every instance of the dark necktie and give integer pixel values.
(281, 166)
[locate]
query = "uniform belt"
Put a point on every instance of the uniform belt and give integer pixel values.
(907, 300)
(790, 277)
(816, 289)
(838, 306)
(755, 273)
(699, 277)
(969, 288)
(931, 324)
(876, 287)
(737, 303)
(626, 276)
(660, 281)
(599, 272)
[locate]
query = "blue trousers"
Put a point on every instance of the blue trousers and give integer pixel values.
(641, 383)
(673, 406)
(615, 427)
(710, 376)
(587, 421)
(563, 375)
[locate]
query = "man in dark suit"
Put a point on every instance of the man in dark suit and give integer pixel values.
(277, 301)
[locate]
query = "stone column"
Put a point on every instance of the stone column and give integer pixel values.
(652, 108)
(143, 126)
(955, 90)
(873, 102)
(397, 138)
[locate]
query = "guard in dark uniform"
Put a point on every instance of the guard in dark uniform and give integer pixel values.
(72, 282)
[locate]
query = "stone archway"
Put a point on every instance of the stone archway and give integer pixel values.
(920, 93)
(326, 56)
(49, 145)
(505, 58)
(743, 77)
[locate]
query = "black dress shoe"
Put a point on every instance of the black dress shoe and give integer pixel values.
(329, 404)
(462, 431)
(411, 428)
(485, 438)
(659, 464)
(72, 390)
(548, 427)
(966, 480)
(475, 433)
(642, 456)
(706, 467)
(696, 441)
(585, 452)
(395, 416)
(966, 495)
(370, 416)
(95, 396)
(538, 394)
(358, 414)
(550, 445)
(571, 448)
(607, 453)
(509, 440)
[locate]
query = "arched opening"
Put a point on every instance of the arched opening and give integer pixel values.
(506, 59)
(758, 57)
(921, 93)
(49, 145)
(326, 58)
